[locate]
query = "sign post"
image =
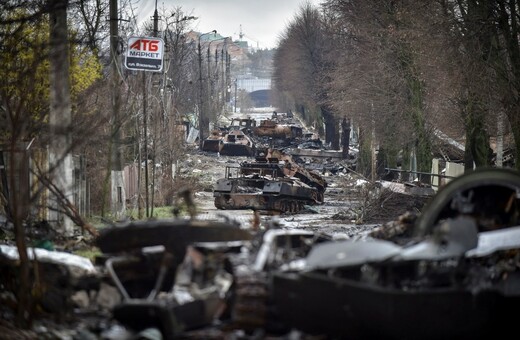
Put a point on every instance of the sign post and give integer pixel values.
(145, 54)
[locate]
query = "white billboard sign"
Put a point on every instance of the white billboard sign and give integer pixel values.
(145, 54)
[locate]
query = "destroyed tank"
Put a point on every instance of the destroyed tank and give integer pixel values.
(232, 140)
(273, 129)
(237, 143)
(270, 183)
(214, 141)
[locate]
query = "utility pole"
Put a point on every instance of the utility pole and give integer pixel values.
(145, 120)
(145, 132)
(118, 196)
(155, 21)
(60, 115)
(201, 111)
(228, 77)
(202, 118)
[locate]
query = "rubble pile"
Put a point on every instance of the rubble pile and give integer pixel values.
(387, 204)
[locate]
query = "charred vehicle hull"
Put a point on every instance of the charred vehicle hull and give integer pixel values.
(237, 143)
(269, 185)
(214, 142)
(270, 128)
(264, 194)
(348, 309)
(235, 138)
(457, 276)
(143, 260)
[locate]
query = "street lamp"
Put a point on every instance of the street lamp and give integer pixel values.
(211, 81)
(201, 103)
(224, 48)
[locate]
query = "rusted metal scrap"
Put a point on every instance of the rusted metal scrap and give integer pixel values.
(244, 124)
(276, 250)
(271, 128)
(212, 281)
(273, 182)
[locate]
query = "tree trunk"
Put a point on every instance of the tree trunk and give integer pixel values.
(416, 111)
(500, 140)
(514, 121)
(345, 137)
(477, 148)
(331, 128)
(59, 158)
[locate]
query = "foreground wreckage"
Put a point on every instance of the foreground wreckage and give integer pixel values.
(272, 183)
(192, 279)
(172, 275)
(452, 273)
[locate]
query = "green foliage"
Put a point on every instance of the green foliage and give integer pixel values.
(25, 73)
(85, 70)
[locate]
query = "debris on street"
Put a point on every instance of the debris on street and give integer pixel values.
(456, 252)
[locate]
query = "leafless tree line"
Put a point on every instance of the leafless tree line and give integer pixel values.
(402, 70)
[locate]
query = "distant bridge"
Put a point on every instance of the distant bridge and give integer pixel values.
(254, 84)
(259, 90)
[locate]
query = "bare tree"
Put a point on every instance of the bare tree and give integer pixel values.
(378, 80)
(302, 65)
(448, 65)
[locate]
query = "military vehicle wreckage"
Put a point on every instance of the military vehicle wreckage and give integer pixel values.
(233, 140)
(271, 183)
(455, 275)
(452, 273)
(273, 129)
(237, 143)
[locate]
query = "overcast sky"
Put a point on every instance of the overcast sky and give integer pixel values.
(262, 21)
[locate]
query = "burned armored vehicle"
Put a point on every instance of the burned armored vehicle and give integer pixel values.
(232, 140)
(237, 143)
(453, 273)
(272, 183)
(271, 128)
(214, 141)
